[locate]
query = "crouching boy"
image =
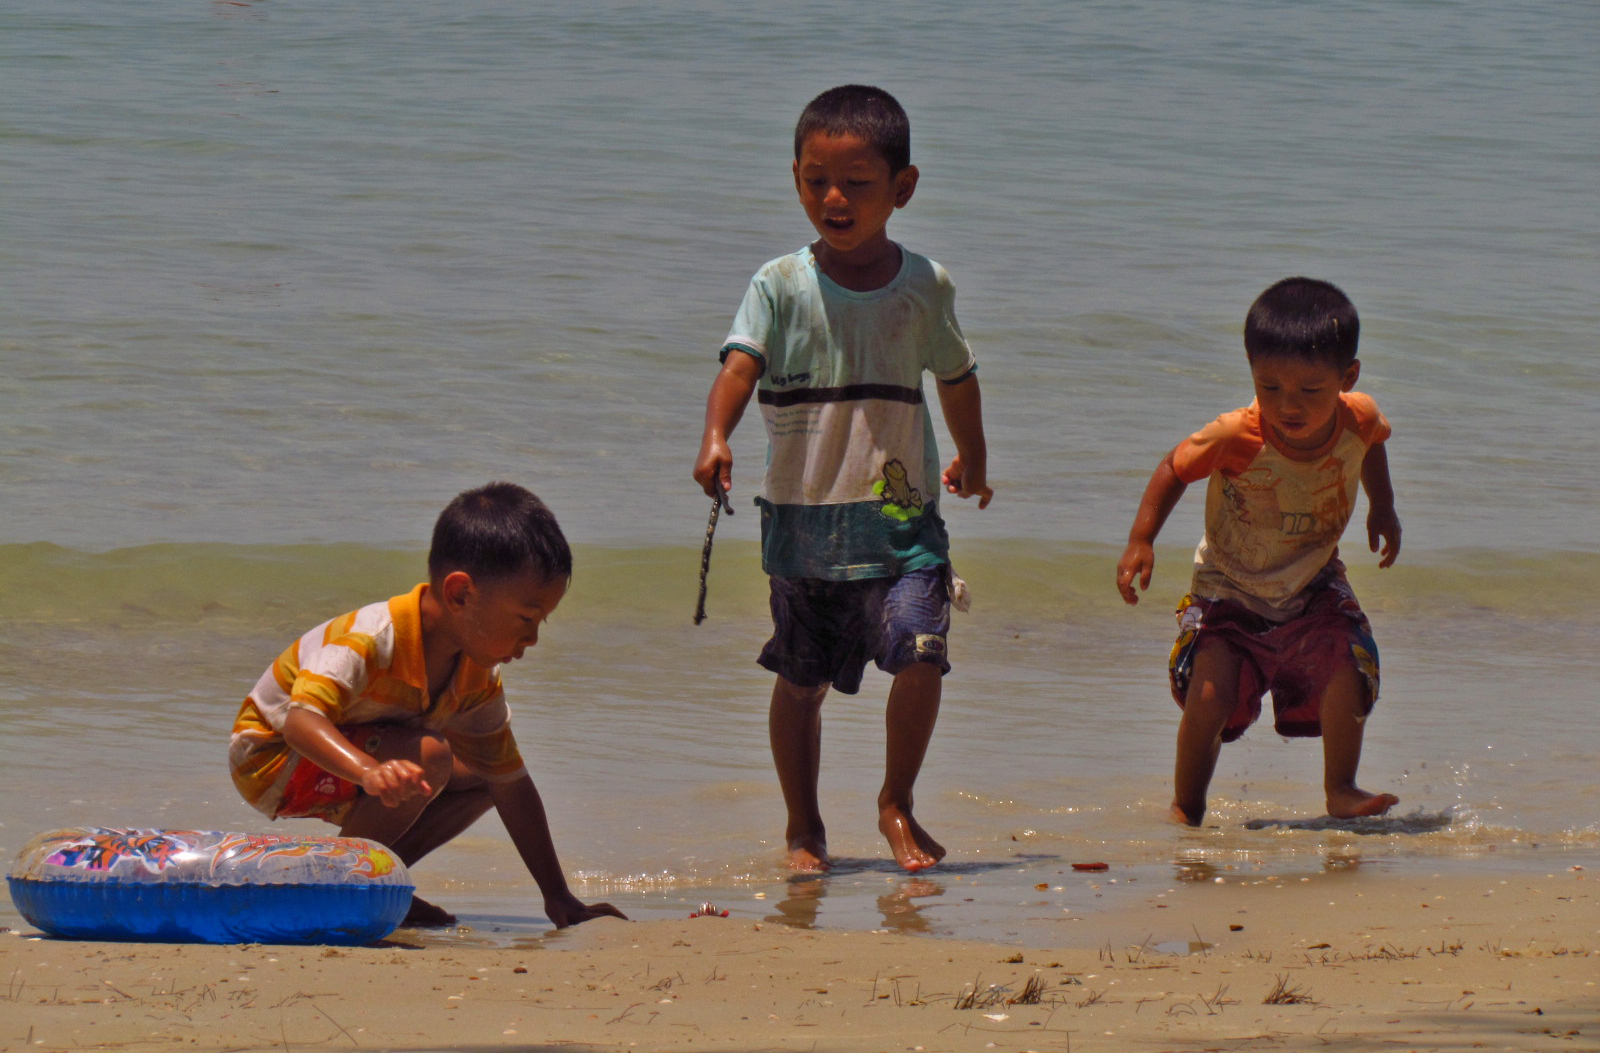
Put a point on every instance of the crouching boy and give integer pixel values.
(391, 722)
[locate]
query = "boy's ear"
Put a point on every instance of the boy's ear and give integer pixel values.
(455, 589)
(1353, 371)
(905, 184)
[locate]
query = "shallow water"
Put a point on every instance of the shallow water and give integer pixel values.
(648, 740)
(281, 279)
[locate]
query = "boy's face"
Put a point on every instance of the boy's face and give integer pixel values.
(1299, 399)
(849, 193)
(497, 621)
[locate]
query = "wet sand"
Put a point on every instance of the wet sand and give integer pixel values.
(1505, 962)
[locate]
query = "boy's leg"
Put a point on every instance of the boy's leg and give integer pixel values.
(1212, 697)
(369, 817)
(1343, 724)
(464, 800)
(913, 710)
(794, 725)
(421, 824)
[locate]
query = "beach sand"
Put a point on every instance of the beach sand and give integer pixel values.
(1503, 962)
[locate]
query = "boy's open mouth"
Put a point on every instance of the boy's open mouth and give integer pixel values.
(839, 222)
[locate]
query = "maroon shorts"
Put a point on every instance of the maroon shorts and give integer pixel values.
(1295, 660)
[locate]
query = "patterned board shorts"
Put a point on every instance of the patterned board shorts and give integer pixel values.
(312, 793)
(1295, 660)
(825, 632)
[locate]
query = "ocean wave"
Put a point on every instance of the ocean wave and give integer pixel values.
(192, 582)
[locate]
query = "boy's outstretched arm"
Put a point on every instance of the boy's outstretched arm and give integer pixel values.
(1382, 522)
(968, 474)
(522, 811)
(730, 393)
(1139, 559)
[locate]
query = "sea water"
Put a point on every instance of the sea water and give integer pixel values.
(281, 278)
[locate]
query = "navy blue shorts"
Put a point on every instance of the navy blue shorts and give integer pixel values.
(824, 632)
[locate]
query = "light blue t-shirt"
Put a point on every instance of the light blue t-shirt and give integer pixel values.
(852, 483)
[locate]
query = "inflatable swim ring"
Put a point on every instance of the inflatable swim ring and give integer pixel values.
(192, 886)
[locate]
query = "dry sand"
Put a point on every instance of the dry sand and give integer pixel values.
(1403, 963)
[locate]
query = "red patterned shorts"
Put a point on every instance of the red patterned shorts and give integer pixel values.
(1295, 660)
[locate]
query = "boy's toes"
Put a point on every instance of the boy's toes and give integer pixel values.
(913, 847)
(424, 915)
(809, 855)
(1177, 814)
(1377, 804)
(1360, 805)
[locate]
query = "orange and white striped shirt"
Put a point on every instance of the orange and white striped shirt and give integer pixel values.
(1274, 516)
(368, 667)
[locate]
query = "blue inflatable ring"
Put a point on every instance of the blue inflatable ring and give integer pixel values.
(192, 886)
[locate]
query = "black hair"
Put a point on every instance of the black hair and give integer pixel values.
(496, 532)
(1303, 318)
(865, 112)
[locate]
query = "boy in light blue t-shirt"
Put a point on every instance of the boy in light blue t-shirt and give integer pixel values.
(835, 339)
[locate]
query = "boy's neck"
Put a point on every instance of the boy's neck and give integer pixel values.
(863, 269)
(440, 654)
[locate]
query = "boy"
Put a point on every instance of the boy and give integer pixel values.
(391, 721)
(1269, 608)
(836, 337)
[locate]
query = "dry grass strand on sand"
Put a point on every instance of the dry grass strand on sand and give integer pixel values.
(1285, 993)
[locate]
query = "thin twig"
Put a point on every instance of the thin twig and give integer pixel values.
(335, 1023)
(719, 501)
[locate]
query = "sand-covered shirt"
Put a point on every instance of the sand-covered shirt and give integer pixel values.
(852, 481)
(1274, 516)
(368, 667)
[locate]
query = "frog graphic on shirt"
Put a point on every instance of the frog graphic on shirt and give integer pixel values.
(901, 500)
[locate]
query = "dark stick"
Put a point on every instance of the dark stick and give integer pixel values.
(718, 503)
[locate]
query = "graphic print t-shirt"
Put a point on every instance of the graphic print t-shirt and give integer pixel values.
(852, 481)
(1273, 516)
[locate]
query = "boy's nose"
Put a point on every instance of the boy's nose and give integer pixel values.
(834, 196)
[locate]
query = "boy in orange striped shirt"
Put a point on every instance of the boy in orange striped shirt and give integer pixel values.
(391, 721)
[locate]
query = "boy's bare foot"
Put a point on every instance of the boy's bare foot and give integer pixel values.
(1177, 814)
(424, 915)
(1354, 803)
(808, 854)
(912, 846)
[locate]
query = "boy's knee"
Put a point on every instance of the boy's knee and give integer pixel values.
(789, 693)
(923, 673)
(1212, 698)
(436, 757)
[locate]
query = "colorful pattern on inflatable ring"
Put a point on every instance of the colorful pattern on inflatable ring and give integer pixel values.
(194, 886)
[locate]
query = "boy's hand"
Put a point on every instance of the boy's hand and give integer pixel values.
(713, 466)
(1382, 523)
(566, 909)
(1137, 563)
(964, 481)
(395, 782)
(730, 392)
